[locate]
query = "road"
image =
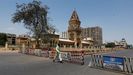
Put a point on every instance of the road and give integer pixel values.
(13, 63)
(126, 53)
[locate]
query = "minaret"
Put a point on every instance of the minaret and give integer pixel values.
(74, 30)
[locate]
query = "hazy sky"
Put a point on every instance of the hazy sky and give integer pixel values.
(114, 16)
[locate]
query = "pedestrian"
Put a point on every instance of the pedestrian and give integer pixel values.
(57, 54)
(49, 49)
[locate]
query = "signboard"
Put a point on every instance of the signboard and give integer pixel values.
(115, 63)
(66, 56)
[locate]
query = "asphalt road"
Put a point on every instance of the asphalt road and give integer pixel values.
(13, 63)
(126, 53)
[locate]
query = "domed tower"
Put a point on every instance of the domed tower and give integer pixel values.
(74, 30)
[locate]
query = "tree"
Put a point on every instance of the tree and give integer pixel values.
(34, 17)
(3, 39)
(110, 45)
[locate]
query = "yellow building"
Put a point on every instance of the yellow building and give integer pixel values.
(22, 39)
(74, 39)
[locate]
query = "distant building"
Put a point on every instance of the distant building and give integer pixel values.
(74, 29)
(23, 39)
(64, 35)
(93, 32)
(53, 39)
(72, 37)
(90, 35)
(11, 39)
(121, 44)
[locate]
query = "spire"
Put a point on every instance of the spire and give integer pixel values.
(74, 16)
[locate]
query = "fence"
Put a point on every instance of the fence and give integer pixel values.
(37, 52)
(121, 64)
(76, 57)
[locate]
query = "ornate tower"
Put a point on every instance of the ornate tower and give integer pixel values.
(74, 30)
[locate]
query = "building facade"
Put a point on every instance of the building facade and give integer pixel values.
(64, 35)
(121, 44)
(11, 39)
(23, 39)
(77, 34)
(93, 32)
(74, 29)
(72, 37)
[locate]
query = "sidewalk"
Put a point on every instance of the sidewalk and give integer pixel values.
(8, 50)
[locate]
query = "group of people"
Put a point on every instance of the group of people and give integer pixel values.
(57, 56)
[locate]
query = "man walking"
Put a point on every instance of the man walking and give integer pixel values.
(58, 54)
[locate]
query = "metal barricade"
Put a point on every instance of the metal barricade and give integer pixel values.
(76, 57)
(121, 64)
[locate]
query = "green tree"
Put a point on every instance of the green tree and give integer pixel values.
(110, 45)
(34, 17)
(3, 39)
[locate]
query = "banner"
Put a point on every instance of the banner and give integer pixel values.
(115, 63)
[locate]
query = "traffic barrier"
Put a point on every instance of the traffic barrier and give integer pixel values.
(24, 51)
(74, 57)
(37, 52)
(121, 64)
(52, 54)
(128, 65)
(31, 51)
(87, 52)
(96, 61)
(45, 53)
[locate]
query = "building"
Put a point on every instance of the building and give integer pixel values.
(64, 35)
(76, 33)
(72, 37)
(11, 39)
(23, 39)
(74, 29)
(93, 32)
(52, 40)
(121, 44)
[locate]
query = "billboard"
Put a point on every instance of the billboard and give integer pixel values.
(115, 63)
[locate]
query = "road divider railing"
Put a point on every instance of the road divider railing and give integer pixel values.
(96, 61)
(30, 51)
(112, 63)
(36, 52)
(76, 57)
(128, 65)
(52, 54)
